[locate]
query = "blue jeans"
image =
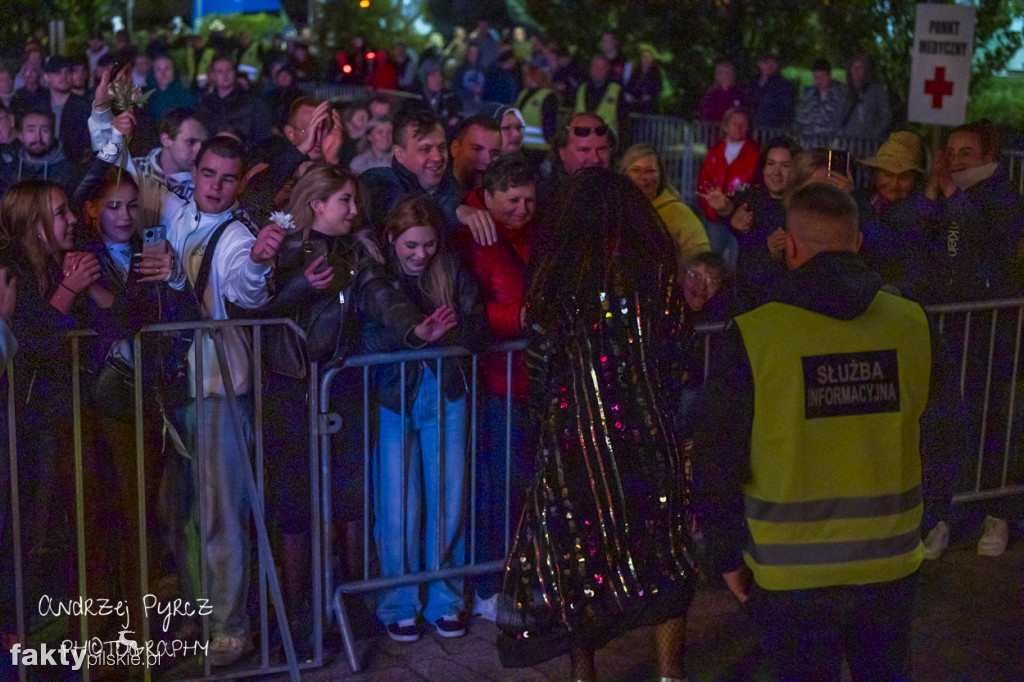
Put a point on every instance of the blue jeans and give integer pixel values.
(225, 530)
(421, 473)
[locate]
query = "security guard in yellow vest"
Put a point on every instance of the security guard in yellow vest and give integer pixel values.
(599, 94)
(533, 104)
(807, 460)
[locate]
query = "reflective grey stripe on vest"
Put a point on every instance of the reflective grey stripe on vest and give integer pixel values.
(809, 553)
(832, 508)
(533, 135)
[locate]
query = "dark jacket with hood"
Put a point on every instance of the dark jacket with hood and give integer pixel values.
(387, 186)
(392, 304)
(54, 166)
(838, 285)
(976, 243)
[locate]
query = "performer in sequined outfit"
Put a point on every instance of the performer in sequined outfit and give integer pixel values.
(602, 546)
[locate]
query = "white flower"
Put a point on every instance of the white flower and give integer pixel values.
(283, 220)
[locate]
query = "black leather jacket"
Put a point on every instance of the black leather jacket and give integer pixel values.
(332, 331)
(392, 304)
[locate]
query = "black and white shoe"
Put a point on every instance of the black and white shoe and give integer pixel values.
(449, 626)
(404, 631)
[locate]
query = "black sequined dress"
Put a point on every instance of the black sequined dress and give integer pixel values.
(602, 546)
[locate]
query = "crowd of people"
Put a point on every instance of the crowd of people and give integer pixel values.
(405, 223)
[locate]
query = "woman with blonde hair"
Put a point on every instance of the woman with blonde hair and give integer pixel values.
(319, 266)
(421, 298)
(644, 166)
(57, 293)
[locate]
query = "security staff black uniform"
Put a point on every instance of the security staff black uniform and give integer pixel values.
(807, 460)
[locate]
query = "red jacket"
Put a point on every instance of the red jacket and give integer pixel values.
(501, 277)
(717, 172)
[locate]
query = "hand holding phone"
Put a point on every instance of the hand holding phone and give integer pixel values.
(154, 240)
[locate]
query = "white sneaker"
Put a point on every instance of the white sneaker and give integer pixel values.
(486, 608)
(993, 539)
(936, 542)
(226, 649)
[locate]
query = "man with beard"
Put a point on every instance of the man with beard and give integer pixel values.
(40, 156)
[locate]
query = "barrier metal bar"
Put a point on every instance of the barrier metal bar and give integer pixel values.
(257, 395)
(442, 506)
(318, 527)
(140, 493)
(76, 417)
(266, 558)
(19, 580)
(199, 478)
(1013, 393)
(473, 463)
(985, 400)
(508, 449)
(329, 423)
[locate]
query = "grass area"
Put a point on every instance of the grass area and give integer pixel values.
(1001, 101)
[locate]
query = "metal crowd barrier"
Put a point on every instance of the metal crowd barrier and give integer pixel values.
(990, 388)
(331, 423)
(989, 380)
(254, 481)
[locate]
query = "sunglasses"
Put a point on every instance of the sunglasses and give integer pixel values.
(584, 131)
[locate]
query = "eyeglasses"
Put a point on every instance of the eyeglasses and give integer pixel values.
(710, 281)
(584, 131)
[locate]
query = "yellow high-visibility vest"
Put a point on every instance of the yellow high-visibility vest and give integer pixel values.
(834, 496)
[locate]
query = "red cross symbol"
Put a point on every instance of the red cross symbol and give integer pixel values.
(938, 87)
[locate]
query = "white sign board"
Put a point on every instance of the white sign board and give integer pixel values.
(940, 68)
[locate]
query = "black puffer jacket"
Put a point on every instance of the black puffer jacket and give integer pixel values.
(392, 304)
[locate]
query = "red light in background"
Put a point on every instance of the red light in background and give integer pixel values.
(371, 55)
(347, 68)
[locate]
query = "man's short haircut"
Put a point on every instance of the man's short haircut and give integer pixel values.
(303, 101)
(483, 120)
(507, 172)
(824, 201)
(561, 139)
(418, 122)
(988, 137)
(38, 112)
(170, 124)
(107, 59)
(225, 147)
(221, 56)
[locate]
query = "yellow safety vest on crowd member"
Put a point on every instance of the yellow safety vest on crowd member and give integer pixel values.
(834, 496)
(249, 63)
(531, 107)
(607, 108)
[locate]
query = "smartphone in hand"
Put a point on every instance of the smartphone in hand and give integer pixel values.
(313, 249)
(154, 239)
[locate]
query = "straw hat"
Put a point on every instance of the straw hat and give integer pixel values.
(900, 153)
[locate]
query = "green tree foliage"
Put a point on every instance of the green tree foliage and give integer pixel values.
(698, 33)
(381, 23)
(22, 17)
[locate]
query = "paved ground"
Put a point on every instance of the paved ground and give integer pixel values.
(969, 626)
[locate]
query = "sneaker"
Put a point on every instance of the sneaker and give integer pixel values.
(936, 542)
(993, 539)
(486, 608)
(404, 631)
(449, 626)
(227, 649)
